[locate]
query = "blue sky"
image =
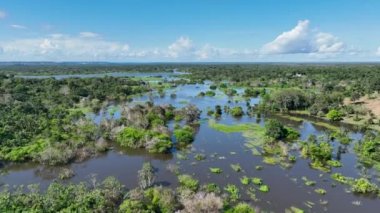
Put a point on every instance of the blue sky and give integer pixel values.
(189, 30)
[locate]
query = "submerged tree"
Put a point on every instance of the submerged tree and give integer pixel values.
(146, 176)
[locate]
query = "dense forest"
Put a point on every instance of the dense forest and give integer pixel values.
(50, 122)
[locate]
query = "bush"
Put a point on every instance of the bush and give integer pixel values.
(363, 186)
(241, 208)
(274, 129)
(335, 115)
(184, 135)
(131, 137)
(203, 202)
(146, 175)
(237, 111)
(188, 182)
(233, 191)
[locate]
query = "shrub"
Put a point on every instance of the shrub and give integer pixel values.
(275, 129)
(146, 176)
(363, 186)
(131, 137)
(188, 182)
(203, 202)
(184, 135)
(335, 115)
(236, 111)
(233, 191)
(216, 170)
(241, 208)
(264, 188)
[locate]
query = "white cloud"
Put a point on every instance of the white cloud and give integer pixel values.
(62, 47)
(88, 35)
(378, 51)
(293, 41)
(2, 14)
(301, 39)
(181, 47)
(19, 27)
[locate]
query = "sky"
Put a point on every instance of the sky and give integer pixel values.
(190, 30)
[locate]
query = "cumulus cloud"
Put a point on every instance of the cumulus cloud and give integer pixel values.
(63, 47)
(301, 39)
(378, 51)
(181, 47)
(19, 27)
(2, 14)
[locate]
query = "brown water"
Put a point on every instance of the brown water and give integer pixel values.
(221, 149)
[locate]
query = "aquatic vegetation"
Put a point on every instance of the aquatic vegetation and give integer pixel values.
(257, 181)
(233, 128)
(184, 135)
(62, 197)
(216, 170)
(368, 151)
(334, 115)
(211, 187)
(294, 209)
(236, 111)
(200, 157)
(308, 182)
(259, 167)
(334, 163)
(241, 208)
(319, 153)
(140, 138)
(340, 178)
(146, 176)
(236, 167)
(264, 188)
(320, 191)
(363, 186)
(188, 182)
(245, 180)
(233, 191)
(66, 173)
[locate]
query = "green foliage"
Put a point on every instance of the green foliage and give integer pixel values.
(139, 138)
(236, 167)
(64, 198)
(335, 115)
(274, 129)
(319, 153)
(216, 170)
(241, 208)
(236, 111)
(212, 187)
(264, 188)
(257, 181)
(233, 192)
(363, 186)
(210, 93)
(188, 182)
(245, 180)
(320, 191)
(185, 135)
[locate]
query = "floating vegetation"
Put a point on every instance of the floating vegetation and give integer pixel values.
(320, 191)
(233, 192)
(236, 167)
(257, 181)
(264, 188)
(308, 182)
(216, 170)
(294, 209)
(200, 157)
(334, 163)
(245, 180)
